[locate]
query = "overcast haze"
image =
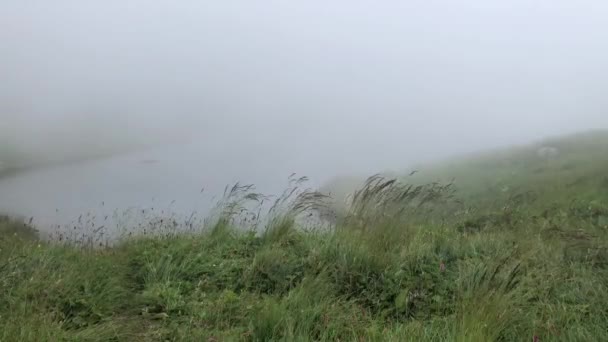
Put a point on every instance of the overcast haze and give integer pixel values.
(315, 87)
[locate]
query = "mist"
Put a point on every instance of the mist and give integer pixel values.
(215, 92)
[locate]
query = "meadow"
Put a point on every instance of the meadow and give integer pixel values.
(499, 246)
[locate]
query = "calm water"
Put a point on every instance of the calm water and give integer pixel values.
(168, 179)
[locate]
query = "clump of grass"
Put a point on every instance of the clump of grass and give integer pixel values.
(381, 200)
(19, 229)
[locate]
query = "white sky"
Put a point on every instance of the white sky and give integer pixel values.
(343, 84)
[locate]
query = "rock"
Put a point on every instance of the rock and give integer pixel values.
(547, 152)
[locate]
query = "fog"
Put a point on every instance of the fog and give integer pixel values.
(210, 92)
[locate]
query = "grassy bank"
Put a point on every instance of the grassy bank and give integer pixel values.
(515, 249)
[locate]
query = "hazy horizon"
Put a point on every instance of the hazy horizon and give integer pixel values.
(252, 90)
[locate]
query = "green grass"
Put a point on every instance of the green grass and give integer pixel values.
(516, 248)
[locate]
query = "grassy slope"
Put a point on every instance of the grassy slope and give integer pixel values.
(524, 254)
(579, 170)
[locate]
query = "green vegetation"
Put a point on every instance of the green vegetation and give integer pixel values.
(516, 249)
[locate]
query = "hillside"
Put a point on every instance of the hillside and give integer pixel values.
(515, 249)
(579, 169)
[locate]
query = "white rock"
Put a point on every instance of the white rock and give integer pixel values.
(547, 152)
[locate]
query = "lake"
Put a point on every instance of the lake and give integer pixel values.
(169, 180)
